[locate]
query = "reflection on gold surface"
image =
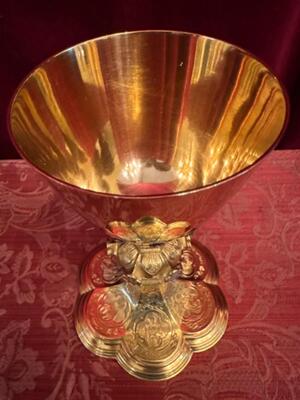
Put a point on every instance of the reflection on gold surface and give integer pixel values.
(147, 113)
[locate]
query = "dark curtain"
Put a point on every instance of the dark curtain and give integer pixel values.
(31, 31)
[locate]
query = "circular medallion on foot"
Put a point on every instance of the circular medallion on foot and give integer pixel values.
(154, 347)
(101, 318)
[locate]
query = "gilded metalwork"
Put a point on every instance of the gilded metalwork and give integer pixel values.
(149, 247)
(149, 123)
(160, 308)
(143, 113)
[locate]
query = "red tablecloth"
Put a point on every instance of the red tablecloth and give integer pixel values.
(256, 240)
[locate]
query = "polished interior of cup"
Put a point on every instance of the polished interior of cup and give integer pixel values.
(147, 112)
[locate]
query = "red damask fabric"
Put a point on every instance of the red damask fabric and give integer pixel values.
(256, 240)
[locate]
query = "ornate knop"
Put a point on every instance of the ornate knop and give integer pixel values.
(150, 248)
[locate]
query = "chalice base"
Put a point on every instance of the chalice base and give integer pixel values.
(151, 328)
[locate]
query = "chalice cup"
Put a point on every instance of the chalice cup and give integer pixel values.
(146, 134)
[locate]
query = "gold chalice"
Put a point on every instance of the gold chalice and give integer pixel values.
(146, 134)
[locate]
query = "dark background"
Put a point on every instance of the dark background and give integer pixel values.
(31, 31)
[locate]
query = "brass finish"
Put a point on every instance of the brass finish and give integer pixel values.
(172, 110)
(151, 299)
(148, 123)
